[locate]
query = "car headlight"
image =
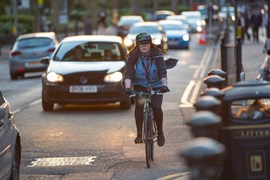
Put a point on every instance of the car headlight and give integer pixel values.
(199, 29)
(128, 42)
(199, 23)
(114, 77)
(157, 41)
(186, 37)
(54, 77)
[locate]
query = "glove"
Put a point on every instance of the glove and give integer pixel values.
(128, 91)
(164, 89)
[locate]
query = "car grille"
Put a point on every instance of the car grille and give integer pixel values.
(173, 39)
(91, 96)
(85, 78)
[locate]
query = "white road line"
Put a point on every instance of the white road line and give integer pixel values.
(62, 161)
(195, 92)
(199, 74)
(26, 106)
(202, 63)
(174, 176)
(184, 99)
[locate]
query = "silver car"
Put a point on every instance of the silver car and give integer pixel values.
(10, 144)
(27, 51)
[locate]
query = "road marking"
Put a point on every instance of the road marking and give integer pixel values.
(174, 176)
(26, 106)
(194, 85)
(184, 99)
(62, 161)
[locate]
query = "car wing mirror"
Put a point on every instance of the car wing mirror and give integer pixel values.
(2, 114)
(45, 60)
(171, 63)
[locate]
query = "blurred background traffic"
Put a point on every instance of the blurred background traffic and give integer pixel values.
(86, 17)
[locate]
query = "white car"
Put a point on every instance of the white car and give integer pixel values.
(195, 20)
(180, 18)
(157, 33)
(85, 69)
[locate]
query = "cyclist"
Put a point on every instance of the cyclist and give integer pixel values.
(146, 69)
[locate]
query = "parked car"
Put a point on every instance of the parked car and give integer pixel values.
(195, 20)
(162, 14)
(226, 12)
(10, 142)
(125, 23)
(178, 36)
(203, 9)
(180, 18)
(85, 69)
(154, 28)
(27, 51)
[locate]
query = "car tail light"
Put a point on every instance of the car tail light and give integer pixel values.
(15, 53)
(20, 70)
(51, 50)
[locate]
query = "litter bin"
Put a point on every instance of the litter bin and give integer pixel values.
(245, 131)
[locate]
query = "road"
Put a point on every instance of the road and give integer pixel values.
(96, 141)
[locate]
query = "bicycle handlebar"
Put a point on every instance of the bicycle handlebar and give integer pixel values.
(153, 92)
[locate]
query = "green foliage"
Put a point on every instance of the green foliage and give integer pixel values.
(25, 25)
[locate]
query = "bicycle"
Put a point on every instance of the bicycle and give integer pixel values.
(149, 125)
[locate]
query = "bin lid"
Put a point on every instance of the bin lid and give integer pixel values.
(251, 89)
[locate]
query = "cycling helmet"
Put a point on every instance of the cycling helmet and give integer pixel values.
(143, 38)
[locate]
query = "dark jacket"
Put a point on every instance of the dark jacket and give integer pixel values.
(155, 55)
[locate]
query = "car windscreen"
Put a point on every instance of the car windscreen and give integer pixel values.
(148, 29)
(129, 21)
(167, 27)
(89, 51)
(34, 42)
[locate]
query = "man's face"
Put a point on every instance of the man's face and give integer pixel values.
(144, 48)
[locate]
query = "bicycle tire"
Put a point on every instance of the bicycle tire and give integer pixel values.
(147, 139)
(153, 134)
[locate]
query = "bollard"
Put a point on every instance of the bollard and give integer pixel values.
(208, 103)
(204, 157)
(205, 124)
(214, 81)
(215, 92)
(218, 72)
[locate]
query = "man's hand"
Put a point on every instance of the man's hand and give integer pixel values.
(164, 89)
(128, 91)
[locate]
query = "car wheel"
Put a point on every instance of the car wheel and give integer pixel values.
(47, 106)
(21, 75)
(13, 76)
(125, 104)
(16, 163)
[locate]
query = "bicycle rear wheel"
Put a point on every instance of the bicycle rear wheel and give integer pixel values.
(148, 138)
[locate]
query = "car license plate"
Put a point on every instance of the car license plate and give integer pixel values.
(34, 63)
(82, 89)
(173, 42)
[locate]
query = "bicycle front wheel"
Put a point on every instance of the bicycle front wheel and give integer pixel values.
(148, 138)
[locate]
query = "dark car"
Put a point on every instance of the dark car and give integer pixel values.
(27, 51)
(125, 23)
(85, 69)
(158, 35)
(10, 143)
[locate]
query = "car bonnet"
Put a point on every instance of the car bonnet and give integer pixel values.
(75, 67)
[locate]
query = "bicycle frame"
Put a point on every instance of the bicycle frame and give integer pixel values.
(149, 126)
